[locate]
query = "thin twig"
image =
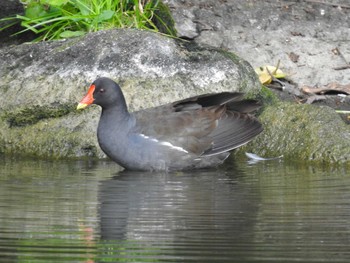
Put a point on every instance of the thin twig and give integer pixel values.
(274, 72)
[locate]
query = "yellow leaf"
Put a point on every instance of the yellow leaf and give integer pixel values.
(265, 73)
(264, 76)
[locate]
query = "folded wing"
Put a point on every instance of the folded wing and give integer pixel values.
(203, 125)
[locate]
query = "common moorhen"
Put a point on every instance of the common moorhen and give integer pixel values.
(192, 133)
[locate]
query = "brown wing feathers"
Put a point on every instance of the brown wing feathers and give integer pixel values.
(233, 125)
(234, 129)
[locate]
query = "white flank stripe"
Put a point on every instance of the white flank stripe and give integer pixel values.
(164, 143)
(174, 147)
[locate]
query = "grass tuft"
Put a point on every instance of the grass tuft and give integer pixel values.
(56, 19)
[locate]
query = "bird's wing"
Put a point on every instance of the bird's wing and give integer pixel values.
(203, 124)
(186, 129)
(234, 130)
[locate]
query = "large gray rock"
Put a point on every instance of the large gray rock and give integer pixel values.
(41, 84)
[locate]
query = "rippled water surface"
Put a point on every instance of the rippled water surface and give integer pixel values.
(88, 212)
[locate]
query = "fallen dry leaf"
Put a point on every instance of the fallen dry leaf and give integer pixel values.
(332, 87)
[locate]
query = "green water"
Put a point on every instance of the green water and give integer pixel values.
(80, 211)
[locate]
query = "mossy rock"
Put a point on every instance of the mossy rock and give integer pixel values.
(58, 137)
(302, 132)
(33, 114)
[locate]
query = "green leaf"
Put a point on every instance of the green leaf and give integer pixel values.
(105, 15)
(35, 11)
(68, 34)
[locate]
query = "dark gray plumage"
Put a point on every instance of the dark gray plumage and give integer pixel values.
(193, 133)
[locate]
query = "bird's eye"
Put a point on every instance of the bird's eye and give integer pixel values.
(102, 90)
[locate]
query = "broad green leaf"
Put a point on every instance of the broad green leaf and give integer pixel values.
(35, 11)
(68, 34)
(105, 15)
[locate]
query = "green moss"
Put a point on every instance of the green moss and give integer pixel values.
(267, 97)
(163, 19)
(31, 115)
(231, 56)
(302, 132)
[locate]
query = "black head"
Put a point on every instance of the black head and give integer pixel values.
(104, 92)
